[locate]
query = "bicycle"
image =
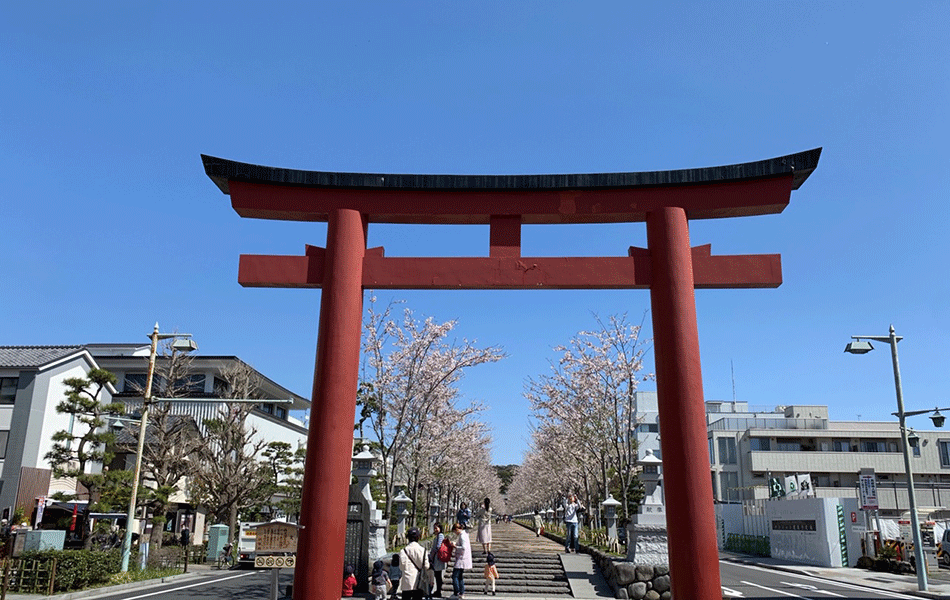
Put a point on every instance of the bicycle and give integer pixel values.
(225, 557)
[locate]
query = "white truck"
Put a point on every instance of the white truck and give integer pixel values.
(246, 541)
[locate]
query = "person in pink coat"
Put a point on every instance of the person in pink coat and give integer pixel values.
(463, 559)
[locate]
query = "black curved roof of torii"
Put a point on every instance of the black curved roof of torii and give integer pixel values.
(801, 164)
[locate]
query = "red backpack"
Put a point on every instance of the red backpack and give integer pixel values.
(445, 551)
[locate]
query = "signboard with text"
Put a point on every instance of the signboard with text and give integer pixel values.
(275, 545)
(868, 489)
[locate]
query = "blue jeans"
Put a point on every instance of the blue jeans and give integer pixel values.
(458, 581)
(570, 536)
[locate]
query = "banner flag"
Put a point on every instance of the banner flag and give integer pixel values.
(775, 488)
(805, 488)
(791, 486)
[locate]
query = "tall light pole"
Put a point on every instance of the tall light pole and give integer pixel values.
(859, 346)
(185, 344)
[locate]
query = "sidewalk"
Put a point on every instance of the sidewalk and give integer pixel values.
(939, 585)
(194, 572)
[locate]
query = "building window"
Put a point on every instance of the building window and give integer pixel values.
(191, 384)
(944, 447)
(790, 446)
(648, 428)
(760, 444)
(712, 455)
(8, 387)
(280, 412)
(727, 451)
(4, 437)
(872, 447)
(266, 408)
(842, 445)
(134, 382)
(729, 482)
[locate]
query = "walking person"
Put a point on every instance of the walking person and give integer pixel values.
(538, 524)
(463, 559)
(463, 515)
(379, 581)
(438, 565)
(413, 560)
(491, 573)
(483, 518)
(572, 508)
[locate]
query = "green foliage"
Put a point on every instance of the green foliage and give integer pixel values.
(506, 473)
(87, 441)
(79, 569)
(748, 544)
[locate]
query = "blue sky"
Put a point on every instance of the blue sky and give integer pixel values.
(110, 224)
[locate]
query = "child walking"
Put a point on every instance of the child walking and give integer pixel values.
(491, 573)
(395, 574)
(379, 581)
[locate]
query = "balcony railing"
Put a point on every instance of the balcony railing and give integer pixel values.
(742, 424)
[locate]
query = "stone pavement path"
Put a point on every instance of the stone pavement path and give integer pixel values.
(514, 538)
(532, 566)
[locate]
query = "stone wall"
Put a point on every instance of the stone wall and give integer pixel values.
(637, 582)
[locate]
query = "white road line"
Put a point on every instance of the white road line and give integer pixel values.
(728, 592)
(775, 591)
(847, 586)
(812, 588)
(185, 587)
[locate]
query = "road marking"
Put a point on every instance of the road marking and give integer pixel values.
(727, 592)
(847, 586)
(775, 591)
(185, 587)
(812, 588)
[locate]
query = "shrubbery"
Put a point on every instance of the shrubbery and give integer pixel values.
(78, 569)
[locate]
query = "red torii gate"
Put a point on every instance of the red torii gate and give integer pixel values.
(665, 200)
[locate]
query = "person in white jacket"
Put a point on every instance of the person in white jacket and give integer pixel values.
(414, 561)
(463, 559)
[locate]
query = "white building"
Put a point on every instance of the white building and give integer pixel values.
(31, 385)
(748, 445)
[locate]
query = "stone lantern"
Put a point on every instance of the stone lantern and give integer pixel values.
(366, 528)
(364, 469)
(646, 533)
(401, 502)
(610, 515)
(433, 513)
(549, 517)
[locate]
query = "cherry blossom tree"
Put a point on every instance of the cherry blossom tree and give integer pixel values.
(410, 398)
(585, 410)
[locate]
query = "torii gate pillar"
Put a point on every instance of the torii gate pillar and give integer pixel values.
(679, 383)
(333, 409)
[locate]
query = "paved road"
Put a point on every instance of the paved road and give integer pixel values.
(746, 581)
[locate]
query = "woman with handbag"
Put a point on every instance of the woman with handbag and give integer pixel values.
(438, 565)
(413, 560)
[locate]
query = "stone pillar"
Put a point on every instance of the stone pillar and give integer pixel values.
(610, 515)
(434, 514)
(694, 556)
(326, 487)
(401, 501)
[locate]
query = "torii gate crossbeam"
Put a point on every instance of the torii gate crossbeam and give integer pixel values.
(669, 267)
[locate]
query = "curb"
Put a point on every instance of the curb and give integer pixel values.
(92, 593)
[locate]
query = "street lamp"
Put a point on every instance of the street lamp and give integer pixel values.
(183, 343)
(862, 345)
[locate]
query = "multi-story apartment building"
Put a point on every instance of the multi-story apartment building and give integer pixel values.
(31, 385)
(749, 445)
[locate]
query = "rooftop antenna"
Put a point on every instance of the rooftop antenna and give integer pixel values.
(733, 369)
